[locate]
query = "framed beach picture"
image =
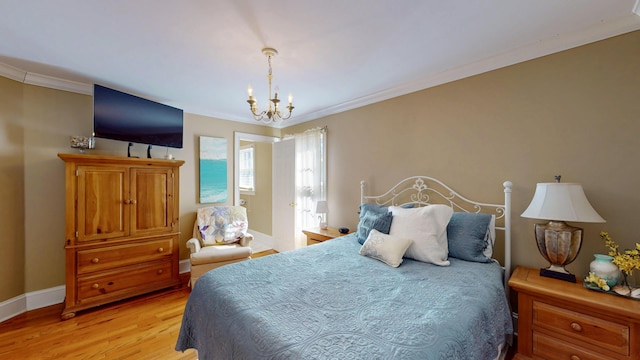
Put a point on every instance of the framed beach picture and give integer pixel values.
(213, 170)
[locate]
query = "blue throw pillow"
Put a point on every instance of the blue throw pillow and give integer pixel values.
(373, 220)
(467, 236)
(376, 209)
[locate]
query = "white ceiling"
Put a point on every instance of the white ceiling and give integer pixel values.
(334, 55)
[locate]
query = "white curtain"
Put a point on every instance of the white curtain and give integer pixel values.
(311, 177)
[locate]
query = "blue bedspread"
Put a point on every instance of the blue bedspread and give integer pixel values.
(328, 302)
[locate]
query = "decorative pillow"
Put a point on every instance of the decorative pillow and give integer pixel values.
(385, 248)
(380, 209)
(222, 224)
(427, 228)
(371, 220)
(467, 236)
(376, 209)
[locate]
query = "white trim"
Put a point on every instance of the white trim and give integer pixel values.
(31, 301)
(47, 297)
(30, 78)
(185, 266)
(12, 73)
(12, 307)
(538, 49)
(56, 83)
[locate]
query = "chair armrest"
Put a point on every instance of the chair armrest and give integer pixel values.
(246, 240)
(194, 245)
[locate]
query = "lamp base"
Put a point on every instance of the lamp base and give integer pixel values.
(558, 275)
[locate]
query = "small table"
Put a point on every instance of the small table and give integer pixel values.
(316, 235)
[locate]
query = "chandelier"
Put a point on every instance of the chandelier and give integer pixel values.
(272, 114)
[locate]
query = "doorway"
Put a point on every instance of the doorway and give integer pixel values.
(259, 204)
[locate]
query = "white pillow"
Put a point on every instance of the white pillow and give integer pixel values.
(385, 248)
(427, 228)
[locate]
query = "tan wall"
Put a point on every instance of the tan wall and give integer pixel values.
(12, 206)
(575, 113)
(35, 125)
(259, 205)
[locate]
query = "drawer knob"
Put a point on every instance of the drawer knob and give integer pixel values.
(575, 357)
(160, 271)
(95, 260)
(160, 249)
(576, 327)
(95, 286)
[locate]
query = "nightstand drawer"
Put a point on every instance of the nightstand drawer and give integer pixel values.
(549, 348)
(592, 330)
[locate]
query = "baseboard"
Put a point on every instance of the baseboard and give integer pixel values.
(185, 266)
(47, 297)
(12, 307)
(31, 301)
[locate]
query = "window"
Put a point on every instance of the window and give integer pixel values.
(247, 180)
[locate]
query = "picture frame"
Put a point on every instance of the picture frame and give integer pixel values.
(213, 170)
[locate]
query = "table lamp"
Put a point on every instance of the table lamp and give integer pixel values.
(322, 209)
(558, 242)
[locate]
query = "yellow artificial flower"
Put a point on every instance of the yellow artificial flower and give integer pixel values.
(597, 281)
(627, 261)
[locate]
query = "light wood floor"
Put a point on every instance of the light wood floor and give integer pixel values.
(145, 327)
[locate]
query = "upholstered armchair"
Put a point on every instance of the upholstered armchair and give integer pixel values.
(219, 238)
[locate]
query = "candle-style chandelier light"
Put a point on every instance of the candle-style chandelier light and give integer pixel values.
(272, 114)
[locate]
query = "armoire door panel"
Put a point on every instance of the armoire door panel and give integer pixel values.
(102, 203)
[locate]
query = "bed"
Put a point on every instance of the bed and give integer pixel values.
(349, 298)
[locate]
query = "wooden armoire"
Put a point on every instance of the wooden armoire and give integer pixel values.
(122, 231)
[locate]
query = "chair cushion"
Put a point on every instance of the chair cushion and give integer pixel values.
(218, 253)
(222, 224)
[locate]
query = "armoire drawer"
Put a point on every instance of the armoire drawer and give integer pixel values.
(110, 257)
(582, 327)
(90, 288)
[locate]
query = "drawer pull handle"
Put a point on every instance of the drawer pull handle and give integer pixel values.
(575, 357)
(95, 286)
(95, 260)
(160, 249)
(576, 327)
(160, 271)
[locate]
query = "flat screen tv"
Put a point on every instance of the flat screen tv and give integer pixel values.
(125, 117)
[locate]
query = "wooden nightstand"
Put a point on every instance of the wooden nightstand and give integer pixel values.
(317, 235)
(562, 320)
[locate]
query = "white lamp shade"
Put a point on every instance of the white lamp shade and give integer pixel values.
(321, 207)
(561, 202)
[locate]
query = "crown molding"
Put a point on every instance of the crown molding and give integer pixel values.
(549, 46)
(30, 78)
(538, 49)
(57, 83)
(12, 73)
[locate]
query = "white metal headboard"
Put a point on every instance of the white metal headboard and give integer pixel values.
(424, 190)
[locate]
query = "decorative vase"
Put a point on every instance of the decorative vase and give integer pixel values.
(604, 268)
